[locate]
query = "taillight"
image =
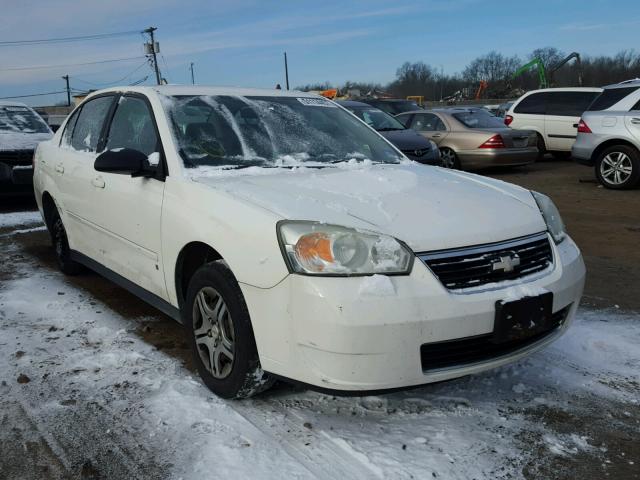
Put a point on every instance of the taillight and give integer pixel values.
(494, 142)
(583, 127)
(507, 120)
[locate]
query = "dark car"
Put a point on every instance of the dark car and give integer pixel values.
(411, 143)
(21, 129)
(393, 106)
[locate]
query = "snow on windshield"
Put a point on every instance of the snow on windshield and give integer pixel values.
(239, 132)
(18, 119)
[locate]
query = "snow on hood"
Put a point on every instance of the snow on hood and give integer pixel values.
(22, 141)
(427, 207)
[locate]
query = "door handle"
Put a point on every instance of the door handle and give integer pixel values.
(59, 168)
(635, 121)
(98, 182)
(437, 135)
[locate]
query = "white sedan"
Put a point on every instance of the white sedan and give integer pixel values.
(294, 242)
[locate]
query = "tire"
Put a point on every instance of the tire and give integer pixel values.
(61, 247)
(449, 158)
(218, 330)
(618, 167)
(542, 147)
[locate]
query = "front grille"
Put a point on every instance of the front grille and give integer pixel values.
(16, 157)
(486, 264)
(470, 350)
(420, 152)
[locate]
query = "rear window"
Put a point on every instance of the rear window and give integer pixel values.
(478, 119)
(534, 103)
(610, 97)
(21, 119)
(568, 104)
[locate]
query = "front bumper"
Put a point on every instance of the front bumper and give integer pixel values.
(497, 157)
(338, 334)
(432, 157)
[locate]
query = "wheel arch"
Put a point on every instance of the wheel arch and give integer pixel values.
(191, 257)
(610, 143)
(49, 208)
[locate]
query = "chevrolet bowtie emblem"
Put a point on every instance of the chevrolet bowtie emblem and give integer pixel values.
(507, 263)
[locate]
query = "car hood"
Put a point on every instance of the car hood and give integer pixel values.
(406, 139)
(22, 141)
(429, 208)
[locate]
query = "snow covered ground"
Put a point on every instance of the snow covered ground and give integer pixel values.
(83, 394)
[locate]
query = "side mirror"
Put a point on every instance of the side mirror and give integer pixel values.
(122, 160)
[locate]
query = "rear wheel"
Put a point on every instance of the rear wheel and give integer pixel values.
(449, 158)
(542, 148)
(61, 247)
(618, 167)
(218, 329)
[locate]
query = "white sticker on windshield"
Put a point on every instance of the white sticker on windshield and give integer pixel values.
(315, 102)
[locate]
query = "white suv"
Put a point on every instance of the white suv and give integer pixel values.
(293, 241)
(554, 114)
(609, 136)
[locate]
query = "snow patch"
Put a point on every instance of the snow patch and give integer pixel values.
(377, 286)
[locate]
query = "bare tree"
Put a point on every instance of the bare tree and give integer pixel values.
(492, 67)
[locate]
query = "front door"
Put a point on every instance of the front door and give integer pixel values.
(128, 209)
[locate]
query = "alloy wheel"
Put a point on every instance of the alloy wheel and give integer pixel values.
(448, 158)
(616, 168)
(213, 331)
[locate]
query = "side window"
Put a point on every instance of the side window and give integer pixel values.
(636, 107)
(534, 103)
(610, 96)
(132, 127)
(568, 104)
(427, 122)
(86, 133)
(68, 129)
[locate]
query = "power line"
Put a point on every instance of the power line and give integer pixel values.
(99, 36)
(44, 67)
(34, 95)
(104, 84)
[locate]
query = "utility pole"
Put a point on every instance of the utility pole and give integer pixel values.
(66, 79)
(193, 81)
(286, 70)
(153, 50)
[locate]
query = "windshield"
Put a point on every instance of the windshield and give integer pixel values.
(405, 106)
(237, 131)
(21, 119)
(377, 119)
(479, 119)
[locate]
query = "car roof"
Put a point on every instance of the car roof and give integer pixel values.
(470, 108)
(565, 89)
(353, 104)
(179, 90)
(634, 82)
(4, 103)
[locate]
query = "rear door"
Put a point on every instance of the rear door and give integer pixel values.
(73, 169)
(430, 126)
(128, 209)
(563, 112)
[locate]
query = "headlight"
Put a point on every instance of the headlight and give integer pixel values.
(551, 216)
(315, 248)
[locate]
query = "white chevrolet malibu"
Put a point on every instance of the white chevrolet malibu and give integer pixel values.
(294, 242)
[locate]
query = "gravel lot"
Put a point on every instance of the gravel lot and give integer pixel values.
(95, 384)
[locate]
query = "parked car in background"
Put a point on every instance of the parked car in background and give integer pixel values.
(362, 272)
(392, 106)
(408, 141)
(609, 136)
(472, 138)
(21, 129)
(553, 113)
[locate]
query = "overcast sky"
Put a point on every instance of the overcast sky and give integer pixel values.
(240, 42)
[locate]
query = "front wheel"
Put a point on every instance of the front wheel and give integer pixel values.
(618, 167)
(218, 329)
(449, 158)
